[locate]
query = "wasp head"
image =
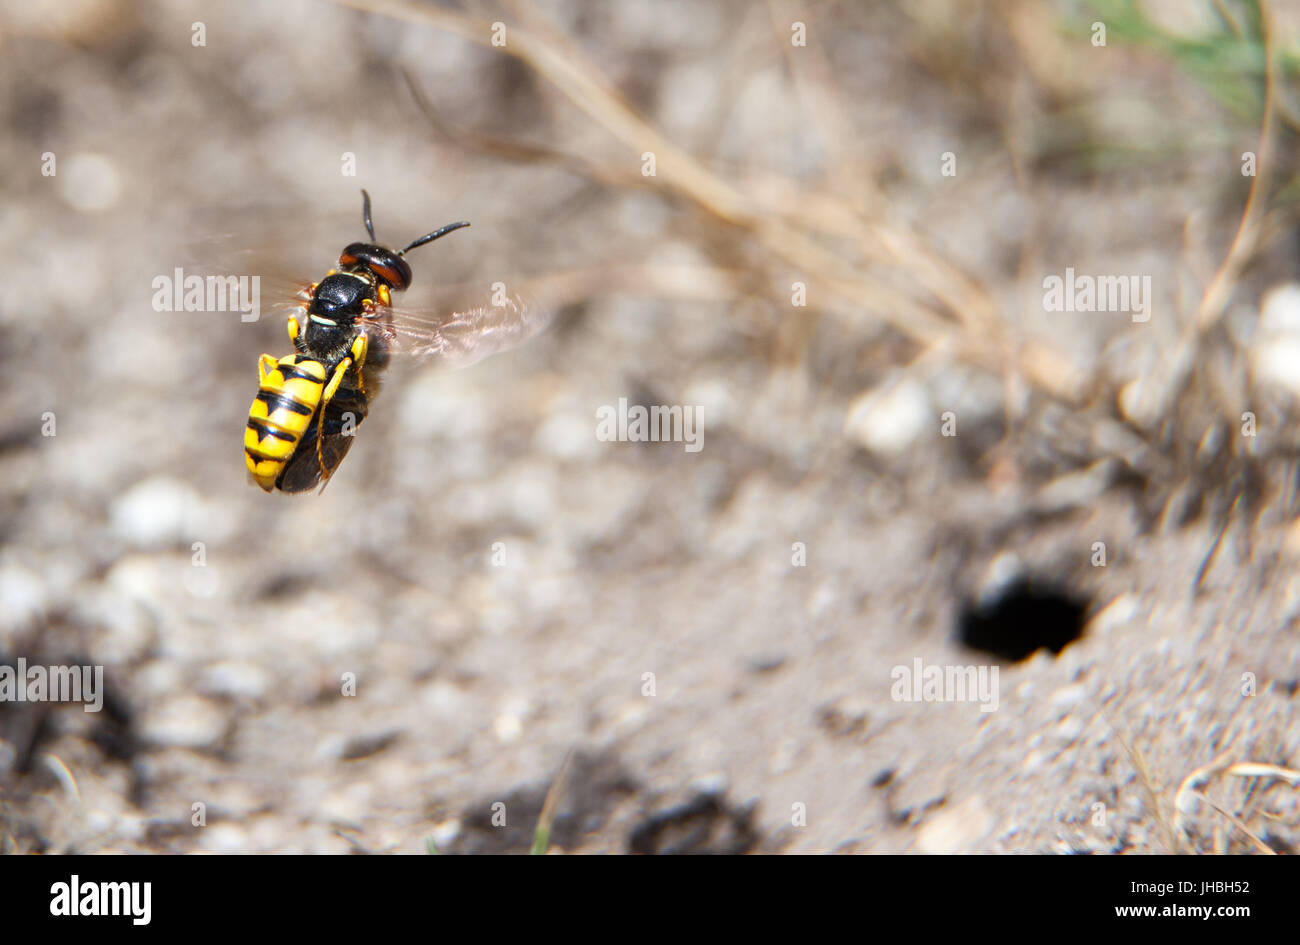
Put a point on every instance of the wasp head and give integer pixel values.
(386, 265)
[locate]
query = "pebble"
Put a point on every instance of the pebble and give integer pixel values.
(236, 680)
(509, 724)
(891, 418)
(1141, 401)
(1069, 696)
(89, 182)
(959, 829)
(223, 838)
(185, 722)
(1275, 355)
(202, 582)
(444, 834)
(1114, 615)
(1069, 729)
(147, 579)
(568, 436)
(716, 400)
(22, 599)
(156, 513)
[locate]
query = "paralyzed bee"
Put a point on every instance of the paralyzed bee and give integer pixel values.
(344, 329)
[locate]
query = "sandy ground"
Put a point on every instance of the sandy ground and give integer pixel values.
(714, 639)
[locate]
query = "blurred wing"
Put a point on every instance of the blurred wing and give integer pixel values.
(285, 245)
(284, 299)
(278, 289)
(459, 339)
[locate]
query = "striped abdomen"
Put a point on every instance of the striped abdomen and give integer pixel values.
(285, 404)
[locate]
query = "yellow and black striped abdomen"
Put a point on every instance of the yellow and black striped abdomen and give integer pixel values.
(285, 404)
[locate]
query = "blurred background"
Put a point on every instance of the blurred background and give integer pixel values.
(827, 227)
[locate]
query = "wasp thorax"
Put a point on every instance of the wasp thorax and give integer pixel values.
(332, 315)
(386, 266)
(340, 297)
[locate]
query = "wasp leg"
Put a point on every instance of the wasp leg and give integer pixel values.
(326, 396)
(360, 348)
(293, 327)
(265, 365)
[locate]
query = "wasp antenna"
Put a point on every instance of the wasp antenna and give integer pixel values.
(365, 213)
(430, 237)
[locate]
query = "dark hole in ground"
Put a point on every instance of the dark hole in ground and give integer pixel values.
(595, 787)
(705, 824)
(1022, 617)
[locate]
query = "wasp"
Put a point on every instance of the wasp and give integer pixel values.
(344, 330)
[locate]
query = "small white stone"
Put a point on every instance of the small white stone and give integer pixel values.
(1000, 574)
(822, 598)
(444, 834)
(185, 722)
(1275, 357)
(631, 716)
(714, 399)
(1276, 363)
(330, 748)
(1114, 615)
(891, 418)
(89, 182)
(1279, 310)
(236, 679)
(958, 829)
(1069, 729)
(203, 583)
(509, 724)
(714, 784)
(1033, 761)
(1069, 696)
(442, 698)
(22, 598)
(223, 838)
(567, 435)
(154, 513)
(140, 578)
(348, 804)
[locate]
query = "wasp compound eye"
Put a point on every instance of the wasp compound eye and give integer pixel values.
(387, 266)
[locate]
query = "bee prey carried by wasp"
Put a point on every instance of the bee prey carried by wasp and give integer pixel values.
(344, 330)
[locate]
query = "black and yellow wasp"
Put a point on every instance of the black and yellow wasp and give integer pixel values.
(344, 330)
